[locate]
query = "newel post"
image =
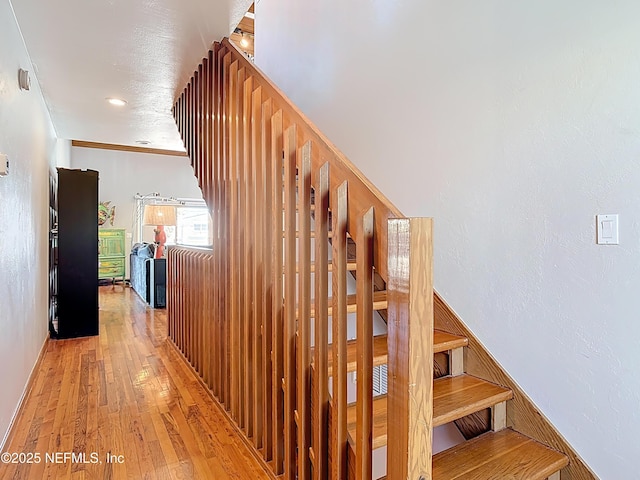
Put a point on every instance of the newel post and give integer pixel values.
(410, 346)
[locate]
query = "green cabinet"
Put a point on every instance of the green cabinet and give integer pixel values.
(111, 253)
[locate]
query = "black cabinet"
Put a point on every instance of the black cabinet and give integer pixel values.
(77, 253)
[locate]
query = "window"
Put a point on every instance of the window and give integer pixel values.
(193, 227)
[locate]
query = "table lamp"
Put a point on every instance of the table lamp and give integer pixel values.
(160, 216)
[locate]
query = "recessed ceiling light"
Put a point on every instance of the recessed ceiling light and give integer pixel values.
(116, 101)
(143, 142)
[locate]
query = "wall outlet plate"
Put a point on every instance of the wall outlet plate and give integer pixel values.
(4, 165)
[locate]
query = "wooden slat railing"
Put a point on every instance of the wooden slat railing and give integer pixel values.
(254, 315)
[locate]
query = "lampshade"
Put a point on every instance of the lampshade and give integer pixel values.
(159, 215)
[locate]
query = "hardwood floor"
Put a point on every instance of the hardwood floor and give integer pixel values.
(124, 396)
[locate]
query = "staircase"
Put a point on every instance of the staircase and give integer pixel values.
(278, 315)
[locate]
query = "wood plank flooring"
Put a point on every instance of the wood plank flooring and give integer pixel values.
(126, 395)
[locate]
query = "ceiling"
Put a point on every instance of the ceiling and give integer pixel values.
(141, 51)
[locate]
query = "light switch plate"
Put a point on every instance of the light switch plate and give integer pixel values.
(607, 226)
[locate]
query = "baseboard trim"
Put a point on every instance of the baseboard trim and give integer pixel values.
(26, 393)
(234, 425)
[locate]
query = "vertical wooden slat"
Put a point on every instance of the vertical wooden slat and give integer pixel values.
(194, 123)
(290, 446)
(181, 115)
(257, 213)
(303, 350)
(266, 216)
(170, 291)
(185, 311)
(224, 60)
(209, 330)
(175, 296)
(212, 358)
(187, 130)
(242, 264)
(247, 264)
(188, 348)
(321, 326)
(410, 346)
(201, 312)
(194, 307)
(218, 359)
(197, 161)
(193, 297)
(207, 129)
(234, 318)
(277, 149)
(364, 343)
(339, 212)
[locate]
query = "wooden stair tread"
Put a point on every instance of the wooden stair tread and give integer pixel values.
(379, 422)
(351, 267)
(443, 341)
(312, 234)
(379, 353)
(457, 397)
(496, 456)
(379, 303)
(453, 398)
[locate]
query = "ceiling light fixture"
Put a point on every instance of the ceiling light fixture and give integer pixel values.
(116, 101)
(243, 41)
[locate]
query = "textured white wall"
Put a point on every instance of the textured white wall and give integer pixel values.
(27, 136)
(123, 174)
(513, 124)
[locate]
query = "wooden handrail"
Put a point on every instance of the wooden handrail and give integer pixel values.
(242, 313)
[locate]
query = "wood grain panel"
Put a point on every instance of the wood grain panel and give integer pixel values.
(289, 379)
(410, 344)
(364, 337)
(278, 411)
(303, 346)
(243, 261)
(265, 182)
(257, 208)
(340, 211)
(235, 239)
(321, 325)
(199, 144)
(224, 133)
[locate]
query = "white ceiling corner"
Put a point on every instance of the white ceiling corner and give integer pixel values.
(143, 51)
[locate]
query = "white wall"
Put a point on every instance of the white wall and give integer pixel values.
(28, 138)
(123, 174)
(513, 124)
